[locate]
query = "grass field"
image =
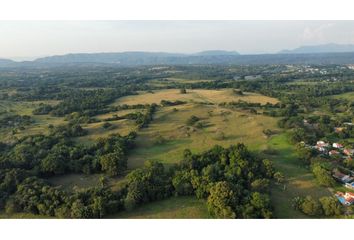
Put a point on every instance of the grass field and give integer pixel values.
(349, 96)
(299, 180)
(220, 126)
(96, 130)
(195, 95)
(172, 208)
(41, 122)
(168, 135)
(79, 181)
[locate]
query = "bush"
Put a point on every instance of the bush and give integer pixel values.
(106, 125)
(183, 91)
(192, 120)
(311, 207)
(323, 177)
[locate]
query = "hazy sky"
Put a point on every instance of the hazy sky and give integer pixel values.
(30, 39)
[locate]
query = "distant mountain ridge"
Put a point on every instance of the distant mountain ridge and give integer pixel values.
(134, 58)
(6, 61)
(217, 53)
(162, 58)
(324, 48)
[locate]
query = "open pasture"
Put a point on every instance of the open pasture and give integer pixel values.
(169, 134)
(194, 95)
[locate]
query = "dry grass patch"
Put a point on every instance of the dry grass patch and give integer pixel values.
(193, 95)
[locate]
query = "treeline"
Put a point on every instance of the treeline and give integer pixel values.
(55, 154)
(234, 182)
(324, 206)
(166, 103)
(87, 100)
(15, 121)
(143, 120)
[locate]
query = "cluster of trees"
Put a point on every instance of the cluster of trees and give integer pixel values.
(43, 109)
(233, 181)
(36, 196)
(15, 121)
(68, 131)
(52, 155)
(192, 120)
(143, 120)
(325, 206)
(55, 154)
(165, 103)
(87, 100)
(323, 176)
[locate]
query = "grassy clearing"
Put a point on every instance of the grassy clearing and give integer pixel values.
(221, 126)
(70, 181)
(194, 95)
(167, 81)
(348, 96)
(172, 208)
(96, 130)
(79, 181)
(299, 180)
(41, 122)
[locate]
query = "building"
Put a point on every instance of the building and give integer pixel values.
(342, 177)
(349, 185)
(346, 199)
(348, 152)
(322, 144)
(339, 129)
(337, 145)
(333, 153)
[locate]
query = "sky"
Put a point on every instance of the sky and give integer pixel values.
(26, 40)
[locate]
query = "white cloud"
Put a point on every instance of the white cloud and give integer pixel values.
(317, 34)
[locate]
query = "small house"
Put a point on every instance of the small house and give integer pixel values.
(322, 144)
(339, 129)
(348, 152)
(333, 153)
(350, 185)
(342, 177)
(346, 199)
(337, 145)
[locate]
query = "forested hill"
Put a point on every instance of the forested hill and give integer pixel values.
(324, 48)
(6, 62)
(208, 57)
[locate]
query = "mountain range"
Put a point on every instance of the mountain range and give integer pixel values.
(319, 54)
(324, 48)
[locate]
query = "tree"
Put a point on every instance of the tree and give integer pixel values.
(182, 183)
(279, 177)
(114, 163)
(106, 125)
(183, 91)
(260, 185)
(323, 177)
(192, 120)
(220, 200)
(54, 163)
(311, 207)
(268, 168)
(330, 206)
(305, 154)
(261, 204)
